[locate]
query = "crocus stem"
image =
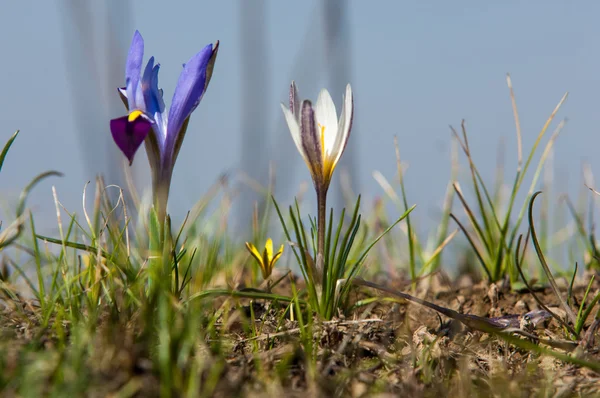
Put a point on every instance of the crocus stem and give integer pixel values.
(321, 216)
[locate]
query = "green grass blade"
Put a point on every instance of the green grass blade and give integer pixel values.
(582, 315)
(363, 255)
(38, 263)
(7, 148)
(544, 264)
(410, 232)
(474, 247)
(74, 245)
(253, 294)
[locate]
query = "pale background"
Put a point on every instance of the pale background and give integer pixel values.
(415, 68)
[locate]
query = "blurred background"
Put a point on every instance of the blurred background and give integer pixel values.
(415, 69)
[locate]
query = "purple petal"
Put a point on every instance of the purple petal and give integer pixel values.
(152, 95)
(133, 68)
(211, 65)
(129, 135)
(153, 99)
(188, 92)
(181, 134)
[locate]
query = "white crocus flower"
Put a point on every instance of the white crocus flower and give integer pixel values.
(320, 138)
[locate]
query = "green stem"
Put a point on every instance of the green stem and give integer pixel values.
(321, 216)
(161, 197)
(160, 244)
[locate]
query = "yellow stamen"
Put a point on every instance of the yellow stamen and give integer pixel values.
(134, 115)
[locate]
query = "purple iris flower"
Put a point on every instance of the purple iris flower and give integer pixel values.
(148, 120)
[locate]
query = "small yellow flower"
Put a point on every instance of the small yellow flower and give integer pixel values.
(267, 260)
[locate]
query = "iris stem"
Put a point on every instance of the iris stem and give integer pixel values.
(160, 199)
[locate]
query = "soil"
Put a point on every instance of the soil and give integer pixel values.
(383, 347)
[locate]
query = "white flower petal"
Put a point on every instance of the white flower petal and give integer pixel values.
(326, 116)
(294, 127)
(345, 125)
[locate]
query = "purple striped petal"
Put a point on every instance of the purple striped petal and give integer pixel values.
(311, 143)
(188, 93)
(294, 101)
(129, 135)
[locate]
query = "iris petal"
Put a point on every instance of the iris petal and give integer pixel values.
(129, 135)
(188, 93)
(152, 105)
(123, 95)
(133, 68)
(211, 64)
(153, 99)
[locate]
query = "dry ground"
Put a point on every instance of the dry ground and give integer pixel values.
(382, 348)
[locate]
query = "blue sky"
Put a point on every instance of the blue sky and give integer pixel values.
(415, 69)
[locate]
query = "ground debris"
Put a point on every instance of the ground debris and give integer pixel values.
(385, 348)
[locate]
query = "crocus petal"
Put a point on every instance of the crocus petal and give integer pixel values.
(269, 248)
(129, 134)
(133, 68)
(272, 258)
(345, 125)
(252, 249)
(188, 93)
(294, 101)
(294, 126)
(327, 119)
(311, 143)
(276, 256)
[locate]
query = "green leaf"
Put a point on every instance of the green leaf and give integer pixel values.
(7, 147)
(18, 224)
